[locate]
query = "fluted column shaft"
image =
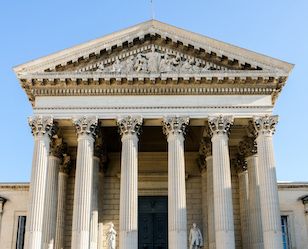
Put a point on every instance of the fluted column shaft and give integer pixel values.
(270, 211)
(83, 183)
(255, 221)
(51, 202)
(204, 207)
(61, 213)
(244, 208)
(100, 210)
(94, 214)
(42, 129)
(174, 128)
(129, 129)
(210, 203)
(224, 227)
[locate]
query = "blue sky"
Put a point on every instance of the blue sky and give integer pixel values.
(30, 29)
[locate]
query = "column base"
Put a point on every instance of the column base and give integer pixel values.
(225, 239)
(128, 240)
(178, 240)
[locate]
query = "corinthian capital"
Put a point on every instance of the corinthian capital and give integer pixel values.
(248, 147)
(86, 125)
(129, 125)
(175, 125)
(205, 147)
(265, 125)
(220, 124)
(57, 147)
(42, 126)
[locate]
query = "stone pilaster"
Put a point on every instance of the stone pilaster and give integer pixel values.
(2, 202)
(175, 128)
(42, 129)
(305, 202)
(224, 227)
(86, 131)
(241, 167)
(61, 205)
(248, 148)
(51, 196)
(271, 221)
(129, 128)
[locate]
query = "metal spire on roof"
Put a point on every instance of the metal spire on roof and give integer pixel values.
(152, 10)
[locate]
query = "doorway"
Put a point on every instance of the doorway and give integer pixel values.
(153, 222)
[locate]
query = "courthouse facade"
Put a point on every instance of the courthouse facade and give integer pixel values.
(154, 128)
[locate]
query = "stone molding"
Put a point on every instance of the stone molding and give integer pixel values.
(42, 125)
(175, 125)
(248, 147)
(86, 126)
(130, 125)
(220, 124)
(266, 125)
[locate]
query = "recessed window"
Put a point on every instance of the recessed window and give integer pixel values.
(285, 232)
(21, 232)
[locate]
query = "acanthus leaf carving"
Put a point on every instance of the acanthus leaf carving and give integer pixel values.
(86, 125)
(42, 125)
(130, 125)
(175, 125)
(265, 125)
(220, 124)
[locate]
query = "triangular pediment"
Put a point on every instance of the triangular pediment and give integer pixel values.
(135, 59)
(165, 37)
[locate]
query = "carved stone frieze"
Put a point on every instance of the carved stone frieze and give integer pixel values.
(248, 147)
(220, 124)
(175, 125)
(86, 125)
(266, 125)
(42, 125)
(155, 60)
(130, 125)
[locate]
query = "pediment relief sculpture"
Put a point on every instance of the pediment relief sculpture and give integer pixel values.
(153, 61)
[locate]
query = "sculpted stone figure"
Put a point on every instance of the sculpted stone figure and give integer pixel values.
(195, 237)
(116, 66)
(153, 61)
(111, 237)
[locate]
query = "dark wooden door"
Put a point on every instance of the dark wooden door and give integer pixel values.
(153, 222)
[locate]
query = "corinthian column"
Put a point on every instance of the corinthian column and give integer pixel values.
(62, 190)
(248, 148)
(42, 130)
(224, 227)
(241, 167)
(271, 221)
(209, 198)
(175, 129)
(51, 197)
(129, 128)
(98, 152)
(86, 127)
